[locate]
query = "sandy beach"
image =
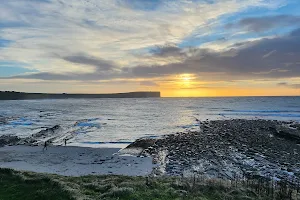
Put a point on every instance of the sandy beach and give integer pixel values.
(73, 161)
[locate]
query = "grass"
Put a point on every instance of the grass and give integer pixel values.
(15, 185)
(31, 186)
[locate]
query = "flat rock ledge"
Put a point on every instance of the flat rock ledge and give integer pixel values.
(229, 149)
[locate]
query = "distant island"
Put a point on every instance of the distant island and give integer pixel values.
(12, 95)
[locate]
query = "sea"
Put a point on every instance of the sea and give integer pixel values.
(118, 122)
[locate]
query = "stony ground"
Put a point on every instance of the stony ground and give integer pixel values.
(230, 149)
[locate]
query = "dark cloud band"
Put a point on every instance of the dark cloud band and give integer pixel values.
(266, 58)
(260, 24)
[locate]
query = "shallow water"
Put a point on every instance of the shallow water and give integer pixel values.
(121, 121)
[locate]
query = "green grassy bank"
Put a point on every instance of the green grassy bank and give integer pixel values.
(30, 186)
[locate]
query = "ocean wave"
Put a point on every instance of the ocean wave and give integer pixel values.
(93, 119)
(125, 142)
(262, 114)
(150, 136)
(88, 123)
(262, 111)
(21, 122)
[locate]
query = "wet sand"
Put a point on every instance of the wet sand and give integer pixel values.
(73, 161)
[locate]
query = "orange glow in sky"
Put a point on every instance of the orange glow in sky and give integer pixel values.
(213, 92)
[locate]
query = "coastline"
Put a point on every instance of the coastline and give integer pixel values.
(12, 95)
(222, 149)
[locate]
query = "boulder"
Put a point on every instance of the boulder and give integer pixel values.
(46, 131)
(288, 133)
(143, 143)
(8, 140)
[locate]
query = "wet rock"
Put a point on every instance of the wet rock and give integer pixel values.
(46, 132)
(231, 148)
(28, 141)
(3, 120)
(143, 143)
(288, 134)
(8, 140)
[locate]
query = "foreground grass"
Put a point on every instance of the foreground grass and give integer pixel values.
(16, 185)
(27, 185)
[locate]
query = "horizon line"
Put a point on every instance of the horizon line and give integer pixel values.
(65, 93)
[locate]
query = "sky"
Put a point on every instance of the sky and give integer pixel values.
(182, 48)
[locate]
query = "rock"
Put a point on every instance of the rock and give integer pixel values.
(143, 143)
(8, 140)
(182, 192)
(237, 149)
(288, 134)
(47, 131)
(3, 120)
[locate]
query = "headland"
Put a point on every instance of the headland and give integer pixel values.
(12, 95)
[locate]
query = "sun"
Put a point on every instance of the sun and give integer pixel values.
(185, 80)
(185, 77)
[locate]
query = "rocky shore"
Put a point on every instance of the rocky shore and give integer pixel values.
(226, 149)
(34, 140)
(50, 135)
(229, 149)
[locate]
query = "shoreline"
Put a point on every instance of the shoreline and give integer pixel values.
(73, 161)
(222, 149)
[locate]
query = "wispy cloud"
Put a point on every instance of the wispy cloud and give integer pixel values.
(148, 83)
(108, 29)
(265, 23)
(286, 84)
(99, 64)
(265, 58)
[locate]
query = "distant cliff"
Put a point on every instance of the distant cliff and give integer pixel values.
(12, 95)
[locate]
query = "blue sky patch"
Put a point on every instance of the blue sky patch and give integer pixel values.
(4, 24)
(12, 68)
(4, 43)
(147, 5)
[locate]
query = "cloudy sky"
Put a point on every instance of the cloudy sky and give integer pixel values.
(178, 47)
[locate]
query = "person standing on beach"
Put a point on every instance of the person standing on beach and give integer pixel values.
(198, 121)
(45, 146)
(65, 142)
